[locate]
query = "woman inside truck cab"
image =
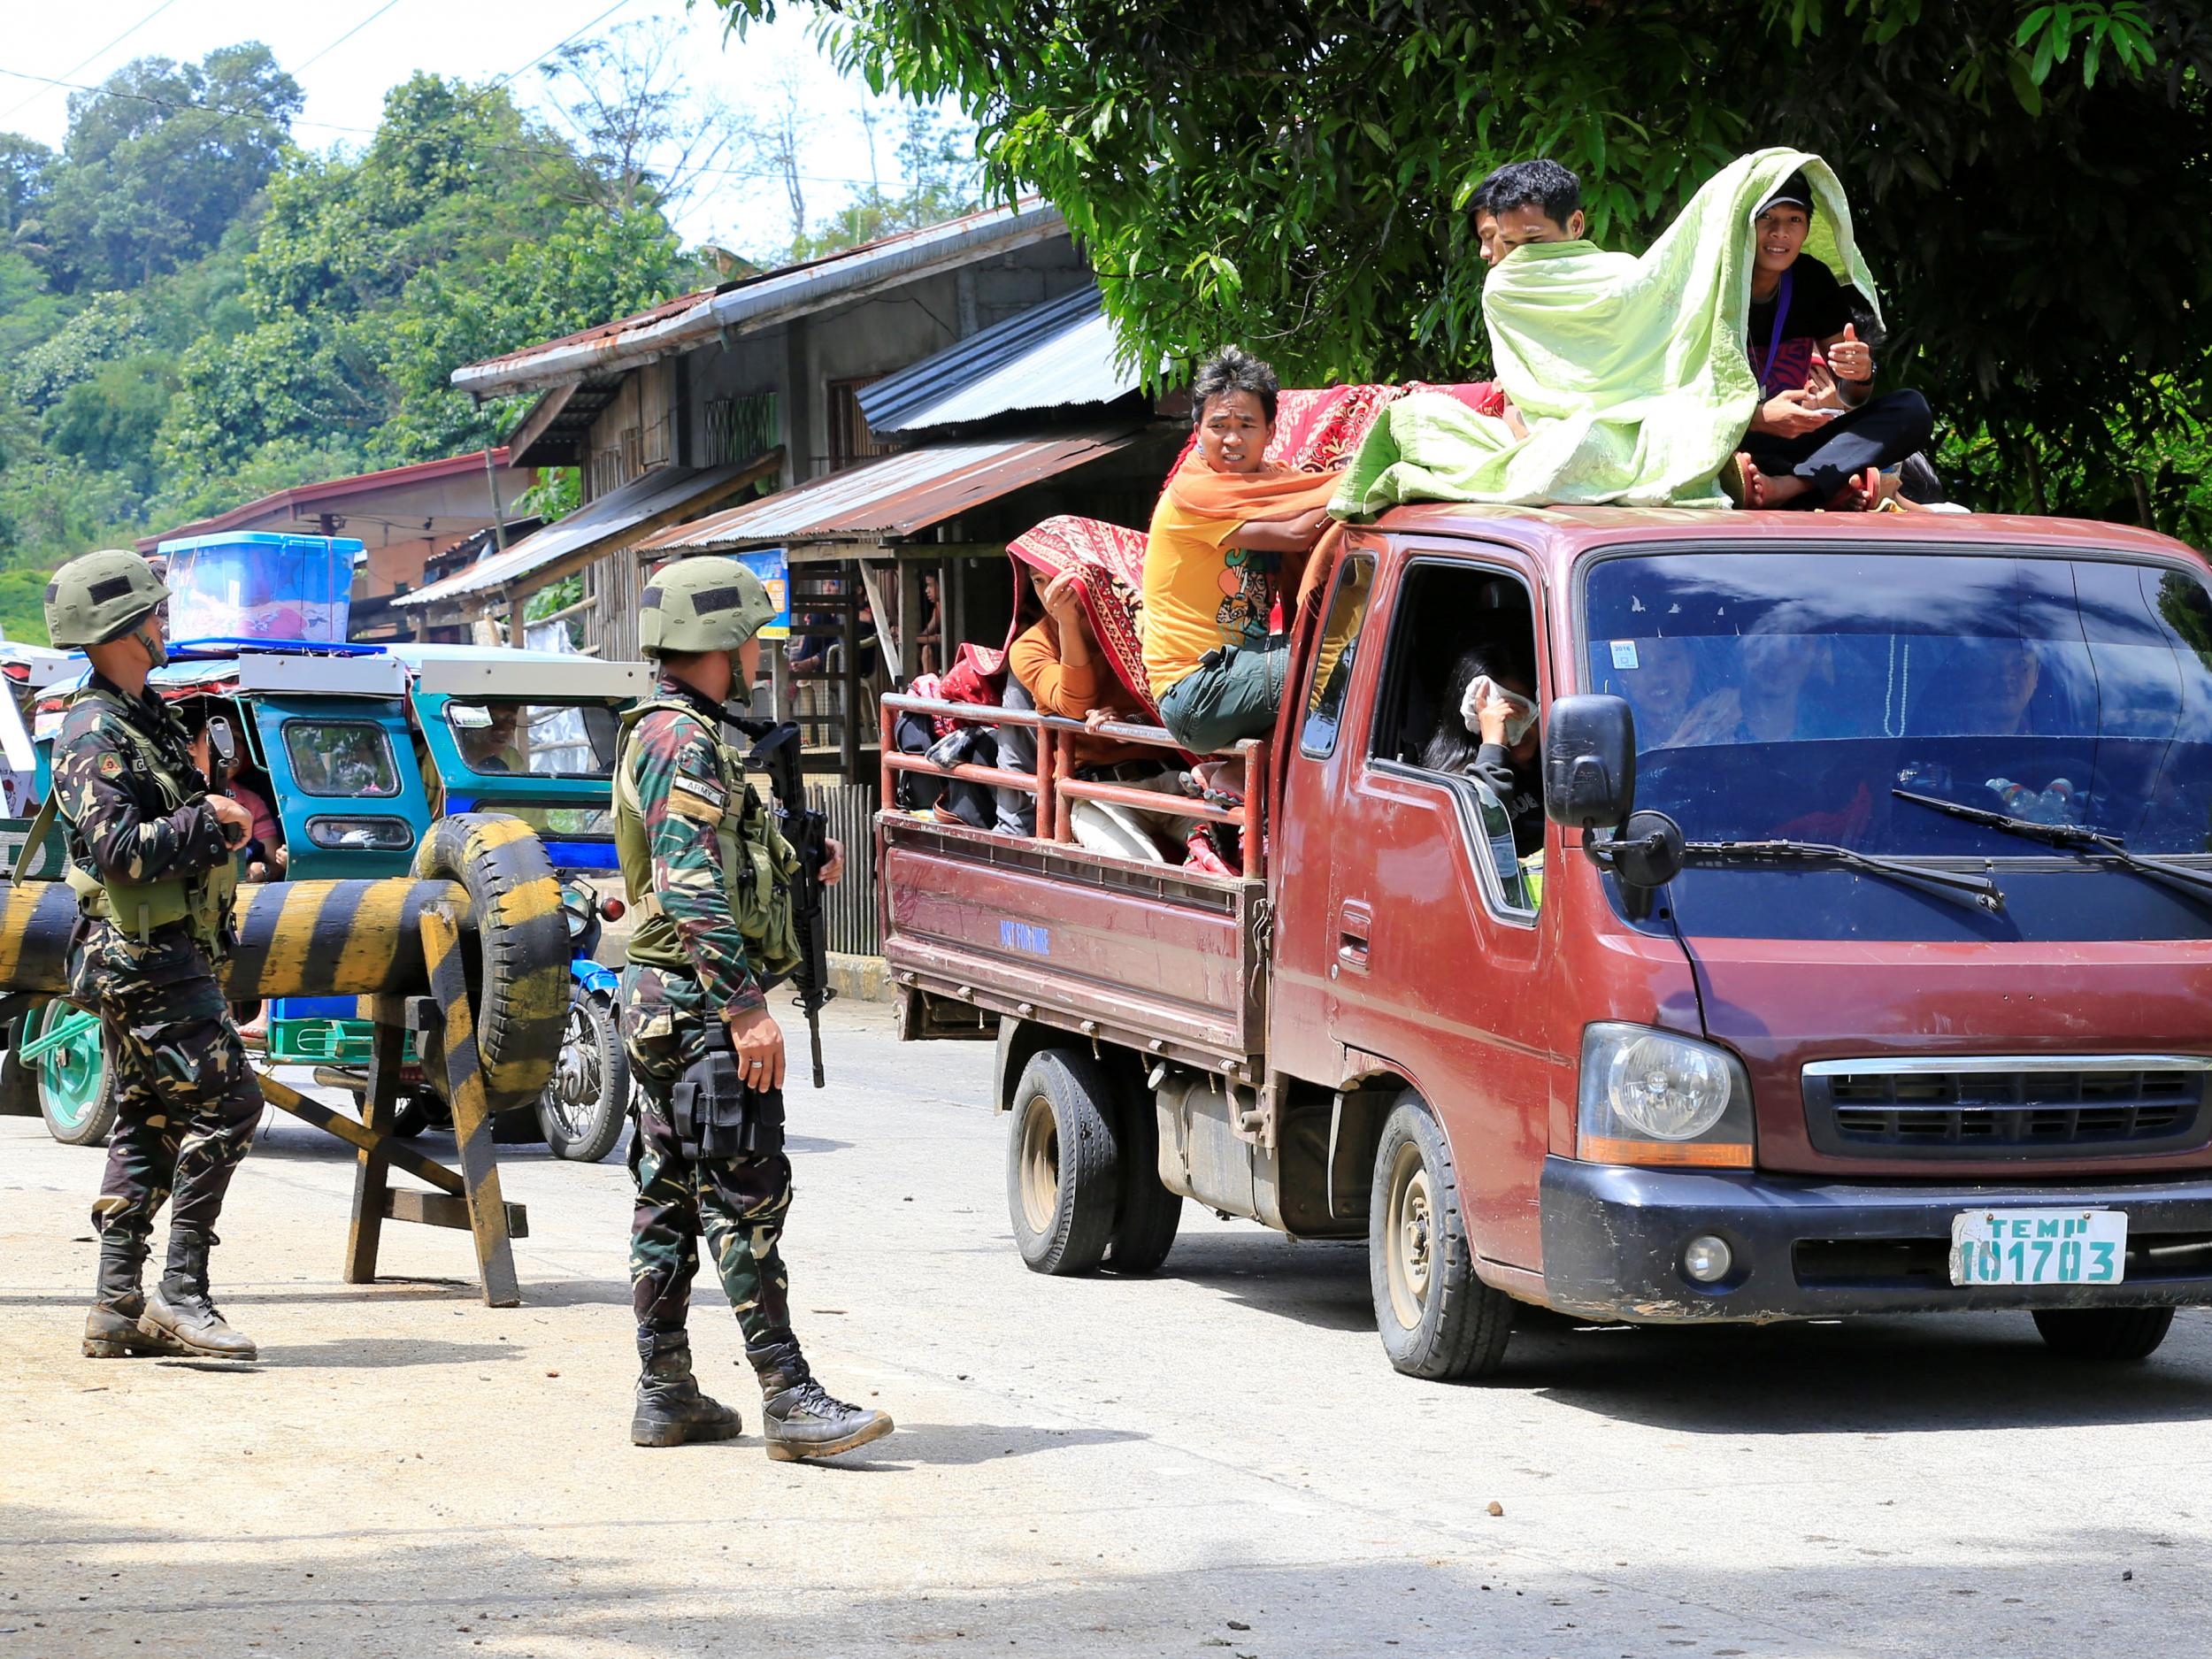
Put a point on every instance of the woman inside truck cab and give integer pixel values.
(1487, 729)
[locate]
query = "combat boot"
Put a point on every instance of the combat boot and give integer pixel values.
(111, 1329)
(799, 1417)
(179, 1307)
(669, 1408)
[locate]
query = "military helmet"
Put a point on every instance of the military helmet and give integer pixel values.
(101, 596)
(700, 604)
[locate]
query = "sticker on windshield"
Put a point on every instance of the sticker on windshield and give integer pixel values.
(1623, 653)
(468, 716)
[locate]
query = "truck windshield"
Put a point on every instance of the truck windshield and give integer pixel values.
(1788, 695)
(552, 740)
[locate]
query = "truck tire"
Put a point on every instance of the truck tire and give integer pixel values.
(2104, 1333)
(1436, 1319)
(1062, 1167)
(1147, 1214)
(519, 989)
(584, 1108)
(76, 1086)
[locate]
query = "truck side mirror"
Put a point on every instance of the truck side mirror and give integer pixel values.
(1590, 762)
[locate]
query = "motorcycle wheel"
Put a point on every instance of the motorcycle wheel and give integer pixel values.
(588, 1100)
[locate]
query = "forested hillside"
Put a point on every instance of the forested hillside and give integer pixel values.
(195, 309)
(194, 312)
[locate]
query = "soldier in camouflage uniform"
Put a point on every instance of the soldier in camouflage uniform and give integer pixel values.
(706, 870)
(150, 853)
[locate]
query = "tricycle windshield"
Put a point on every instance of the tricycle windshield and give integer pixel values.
(500, 737)
(1789, 695)
(341, 757)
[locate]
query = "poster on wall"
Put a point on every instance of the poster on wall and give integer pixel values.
(774, 571)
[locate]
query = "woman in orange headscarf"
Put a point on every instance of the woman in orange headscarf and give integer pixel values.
(1226, 524)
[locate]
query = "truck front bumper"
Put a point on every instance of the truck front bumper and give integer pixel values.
(1804, 1249)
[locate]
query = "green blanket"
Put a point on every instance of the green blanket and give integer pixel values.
(1631, 372)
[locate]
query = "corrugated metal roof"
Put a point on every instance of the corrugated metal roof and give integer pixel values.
(664, 491)
(895, 495)
(1055, 356)
(735, 308)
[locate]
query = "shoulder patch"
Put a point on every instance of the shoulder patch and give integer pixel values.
(111, 764)
(696, 798)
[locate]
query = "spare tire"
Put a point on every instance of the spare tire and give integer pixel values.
(519, 977)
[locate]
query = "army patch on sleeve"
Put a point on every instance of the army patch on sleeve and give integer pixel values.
(696, 798)
(111, 764)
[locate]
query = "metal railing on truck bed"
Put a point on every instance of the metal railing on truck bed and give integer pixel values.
(1160, 958)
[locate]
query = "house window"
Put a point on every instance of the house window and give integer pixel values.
(851, 442)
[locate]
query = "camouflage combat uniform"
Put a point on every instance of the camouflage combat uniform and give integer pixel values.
(669, 1017)
(185, 1103)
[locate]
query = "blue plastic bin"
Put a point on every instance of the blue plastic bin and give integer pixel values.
(256, 585)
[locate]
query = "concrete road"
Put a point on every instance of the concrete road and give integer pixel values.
(1216, 1461)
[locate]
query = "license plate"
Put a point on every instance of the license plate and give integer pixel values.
(2039, 1246)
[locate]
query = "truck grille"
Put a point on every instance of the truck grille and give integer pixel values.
(1973, 1108)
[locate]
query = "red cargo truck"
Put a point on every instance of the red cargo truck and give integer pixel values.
(1863, 965)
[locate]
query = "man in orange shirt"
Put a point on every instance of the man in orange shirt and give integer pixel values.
(1221, 532)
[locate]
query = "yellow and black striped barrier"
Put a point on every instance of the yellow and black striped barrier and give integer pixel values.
(473, 950)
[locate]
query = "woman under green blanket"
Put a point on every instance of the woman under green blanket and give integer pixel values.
(1630, 372)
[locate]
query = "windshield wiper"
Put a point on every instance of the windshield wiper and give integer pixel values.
(2073, 837)
(1978, 891)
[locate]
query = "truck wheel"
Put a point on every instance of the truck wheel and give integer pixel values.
(1147, 1214)
(76, 1086)
(1061, 1163)
(2104, 1333)
(584, 1106)
(1436, 1319)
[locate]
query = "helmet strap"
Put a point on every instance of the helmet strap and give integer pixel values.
(157, 652)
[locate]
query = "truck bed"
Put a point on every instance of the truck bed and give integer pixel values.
(1164, 960)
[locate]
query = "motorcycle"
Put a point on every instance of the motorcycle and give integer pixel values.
(587, 1102)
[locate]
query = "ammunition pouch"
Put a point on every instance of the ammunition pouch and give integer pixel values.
(202, 902)
(717, 1117)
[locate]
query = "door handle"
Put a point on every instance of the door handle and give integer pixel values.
(1354, 921)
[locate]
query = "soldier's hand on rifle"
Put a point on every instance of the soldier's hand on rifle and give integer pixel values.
(832, 860)
(758, 1042)
(236, 821)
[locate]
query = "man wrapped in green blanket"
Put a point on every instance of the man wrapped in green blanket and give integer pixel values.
(1631, 372)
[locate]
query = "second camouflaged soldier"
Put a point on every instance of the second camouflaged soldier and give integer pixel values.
(707, 872)
(151, 855)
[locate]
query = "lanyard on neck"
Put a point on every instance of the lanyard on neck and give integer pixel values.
(1774, 340)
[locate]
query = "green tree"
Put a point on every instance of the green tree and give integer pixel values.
(2032, 183)
(107, 327)
(160, 159)
(108, 420)
(25, 167)
(588, 269)
(372, 278)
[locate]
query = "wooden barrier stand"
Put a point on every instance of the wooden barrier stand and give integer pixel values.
(468, 1198)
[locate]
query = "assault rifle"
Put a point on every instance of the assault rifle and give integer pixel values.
(776, 752)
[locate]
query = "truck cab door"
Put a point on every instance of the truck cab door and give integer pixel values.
(1438, 959)
(1318, 731)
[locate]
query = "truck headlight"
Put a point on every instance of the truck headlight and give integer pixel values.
(1650, 1096)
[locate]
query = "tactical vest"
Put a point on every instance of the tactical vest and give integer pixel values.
(757, 864)
(202, 901)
